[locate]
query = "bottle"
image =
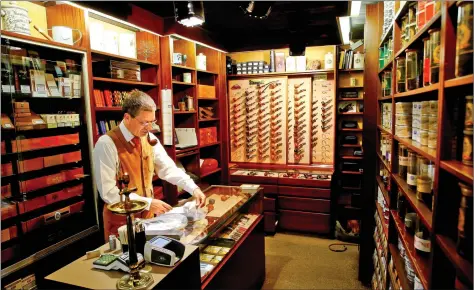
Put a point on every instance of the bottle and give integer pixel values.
(412, 70)
(464, 242)
(464, 41)
(422, 239)
(401, 205)
(403, 161)
(435, 54)
(412, 170)
(424, 181)
(410, 222)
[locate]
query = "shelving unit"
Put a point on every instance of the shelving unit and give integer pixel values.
(441, 267)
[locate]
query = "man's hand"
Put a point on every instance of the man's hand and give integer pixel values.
(200, 197)
(158, 207)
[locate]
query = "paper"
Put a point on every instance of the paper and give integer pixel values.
(96, 35)
(111, 42)
(127, 45)
(186, 137)
(167, 116)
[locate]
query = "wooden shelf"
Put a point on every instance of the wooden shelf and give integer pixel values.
(385, 98)
(351, 130)
(384, 130)
(458, 169)
(352, 157)
(419, 35)
(124, 82)
(209, 120)
(382, 219)
(420, 208)
(108, 109)
(309, 72)
(352, 114)
(388, 64)
(388, 167)
(9, 34)
(461, 81)
(351, 87)
(420, 264)
(179, 151)
(181, 155)
(210, 173)
(385, 193)
(350, 99)
(119, 57)
(206, 71)
(419, 91)
(182, 67)
(352, 172)
(182, 83)
(351, 188)
(183, 112)
(415, 146)
(399, 266)
(351, 146)
(463, 266)
(351, 70)
(211, 144)
(208, 99)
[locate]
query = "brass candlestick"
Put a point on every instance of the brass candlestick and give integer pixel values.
(127, 207)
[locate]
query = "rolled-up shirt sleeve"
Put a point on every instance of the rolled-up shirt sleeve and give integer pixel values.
(105, 159)
(167, 169)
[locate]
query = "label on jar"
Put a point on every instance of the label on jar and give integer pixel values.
(25, 89)
(417, 285)
(8, 89)
(423, 184)
(422, 245)
(411, 179)
(403, 161)
(467, 149)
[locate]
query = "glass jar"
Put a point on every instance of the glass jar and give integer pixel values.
(467, 148)
(381, 57)
(422, 239)
(401, 205)
(387, 85)
(411, 170)
(412, 72)
(403, 161)
(426, 61)
(410, 222)
(435, 53)
(464, 43)
(401, 74)
(404, 31)
(432, 139)
(464, 243)
(412, 28)
(424, 180)
(468, 123)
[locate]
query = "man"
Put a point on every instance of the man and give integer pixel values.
(125, 149)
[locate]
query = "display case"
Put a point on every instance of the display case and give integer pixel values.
(47, 189)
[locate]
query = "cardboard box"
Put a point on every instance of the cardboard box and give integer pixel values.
(53, 160)
(49, 118)
(22, 105)
(205, 91)
(30, 164)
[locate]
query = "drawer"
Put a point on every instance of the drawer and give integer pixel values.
(304, 182)
(267, 189)
(269, 222)
(254, 179)
(304, 192)
(304, 221)
(304, 204)
(269, 204)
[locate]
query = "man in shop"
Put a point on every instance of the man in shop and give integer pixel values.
(126, 149)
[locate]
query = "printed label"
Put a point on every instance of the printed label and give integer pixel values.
(8, 88)
(411, 179)
(25, 89)
(422, 245)
(403, 161)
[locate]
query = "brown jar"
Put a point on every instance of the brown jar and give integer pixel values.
(464, 42)
(435, 53)
(412, 170)
(464, 243)
(467, 148)
(424, 181)
(403, 161)
(468, 123)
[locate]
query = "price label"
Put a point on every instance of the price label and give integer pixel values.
(38, 121)
(25, 89)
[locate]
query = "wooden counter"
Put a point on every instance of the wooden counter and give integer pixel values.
(81, 274)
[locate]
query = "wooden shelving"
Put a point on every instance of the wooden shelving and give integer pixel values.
(463, 266)
(183, 112)
(420, 208)
(382, 219)
(119, 57)
(387, 166)
(352, 172)
(188, 153)
(182, 67)
(350, 130)
(123, 82)
(352, 157)
(182, 83)
(209, 120)
(208, 99)
(308, 72)
(384, 130)
(385, 193)
(211, 172)
(108, 109)
(351, 70)
(458, 169)
(351, 87)
(352, 114)
(399, 266)
(351, 146)
(384, 98)
(420, 264)
(456, 82)
(386, 65)
(206, 71)
(415, 146)
(350, 99)
(419, 91)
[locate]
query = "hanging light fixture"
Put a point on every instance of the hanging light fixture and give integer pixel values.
(190, 13)
(260, 11)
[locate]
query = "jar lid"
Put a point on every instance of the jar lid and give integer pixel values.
(461, 2)
(468, 132)
(426, 38)
(400, 57)
(466, 190)
(410, 50)
(468, 97)
(433, 30)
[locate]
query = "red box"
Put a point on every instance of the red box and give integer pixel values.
(429, 10)
(32, 204)
(74, 173)
(208, 135)
(30, 164)
(68, 139)
(6, 191)
(55, 197)
(7, 169)
(34, 143)
(22, 105)
(40, 182)
(3, 148)
(9, 233)
(75, 190)
(53, 160)
(8, 210)
(72, 157)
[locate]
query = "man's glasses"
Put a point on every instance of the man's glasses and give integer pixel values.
(145, 124)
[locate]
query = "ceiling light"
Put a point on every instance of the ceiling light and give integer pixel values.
(345, 28)
(190, 14)
(250, 7)
(355, 8)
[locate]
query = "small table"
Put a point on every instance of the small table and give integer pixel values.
(81, 274)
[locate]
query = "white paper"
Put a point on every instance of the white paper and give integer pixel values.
(167, 116)
(186, 137)
(127, 45)
(111, 42)
(96, 36)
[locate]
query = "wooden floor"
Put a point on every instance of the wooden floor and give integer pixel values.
(295, 261)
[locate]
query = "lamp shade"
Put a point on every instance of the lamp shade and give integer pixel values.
(189, 13)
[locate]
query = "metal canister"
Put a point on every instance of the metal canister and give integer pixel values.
(464, 42)
(401, 74)
(412, 70)
(467, 148)
(468, 123)
(435, 52)
(112, 242)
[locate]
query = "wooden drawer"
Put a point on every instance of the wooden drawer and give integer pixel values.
(267, 189)
(304, 204)
(304, 192)
(269, 204)
(304, 221)
(269, 222)
(254, 179)
(304, 182)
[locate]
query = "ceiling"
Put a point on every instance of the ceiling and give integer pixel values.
(290, 23)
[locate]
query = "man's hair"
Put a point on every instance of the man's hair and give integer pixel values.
(136, 102)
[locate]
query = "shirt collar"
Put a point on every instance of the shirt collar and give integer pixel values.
(126, 133)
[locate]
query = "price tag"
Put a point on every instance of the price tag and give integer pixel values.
(38, 121)
(8, 88)
(25, 89)
(321, 77)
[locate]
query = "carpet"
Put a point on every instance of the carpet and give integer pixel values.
(298, 261)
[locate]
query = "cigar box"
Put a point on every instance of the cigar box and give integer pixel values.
(8, 209)
(75, 190)
(32, 204)
(7, 169)
(65, 87)
(61, 120)
(32, 122)
(6, 191)
(74, 173)
(208, 135)
(19, 111)
(9, 233)
(19, 115)
(205, 91)
(41, 182)
(8, 254)
(21, 105)
(72, 157)
(68, 139)
(50, 121)
(56, 196)
(6, 122)
(38, 83)
(53, 160)
(3, 148)
(30, 164)
(29, 282)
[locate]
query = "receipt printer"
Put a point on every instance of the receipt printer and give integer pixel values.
(163, 251)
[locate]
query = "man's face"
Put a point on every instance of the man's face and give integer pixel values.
(141, 124)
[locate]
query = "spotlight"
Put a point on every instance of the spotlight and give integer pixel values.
(250, 7)
(259, 10)
(189, 14)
